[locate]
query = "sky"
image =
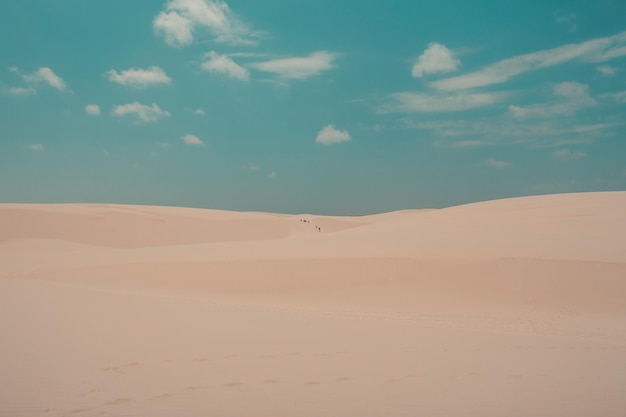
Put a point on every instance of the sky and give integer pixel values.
(327, 106)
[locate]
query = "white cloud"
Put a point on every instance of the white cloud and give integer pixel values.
(181, 19)
(571, 97)
(198, 112)
(139, 78)
(46, 75)
(222, 64)
(92, 109)
(410, 102)
(435, 59)
(493, 163)
(298, 68)
(192, 140)
(141, 112)
(36, 147)
(21, 91)
(174, 28)
(595, 50)
(606, 70)
(272, 175)
(567, 154)
(330, 135)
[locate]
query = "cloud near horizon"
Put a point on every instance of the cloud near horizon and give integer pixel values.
(222, 64)
(141, 112)
(298, 68)
(139, 78)
(329, 135)
(572, 96)
(436, 59)
(494, 163)
(568, 154)
(593, 51)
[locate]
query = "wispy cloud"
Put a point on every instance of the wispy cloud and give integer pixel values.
(410, 102)
(92, 109)
(223, 64)
(619, 97)
(252, 167)
(22, 91)
(436, 59)
(606, 70)
(509, 131)
(494, 163)
(298, 68)
(198, 112)
(192, 140)
(329, 135)
(467, 144)
(180, 21)
(568, 19)
(141, 112)
(46, 76)
(571, 97)
(596, 50)
(568, 154)
(139, 78)
(36, 147)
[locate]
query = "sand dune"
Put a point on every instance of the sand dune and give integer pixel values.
(507, 307)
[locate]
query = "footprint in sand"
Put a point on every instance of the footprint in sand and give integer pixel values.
(81, 410)
(233, 385)
(88, 393)
(119, 401)
(270, 381)
(114, 370)
(162, 396)
(193, 388)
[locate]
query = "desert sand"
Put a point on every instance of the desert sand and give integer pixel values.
(512, 307)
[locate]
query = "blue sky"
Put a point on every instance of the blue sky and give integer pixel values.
(333, 107)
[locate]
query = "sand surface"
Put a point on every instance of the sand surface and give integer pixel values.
(513, 307)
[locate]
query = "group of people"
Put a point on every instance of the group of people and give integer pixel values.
(318, 228)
